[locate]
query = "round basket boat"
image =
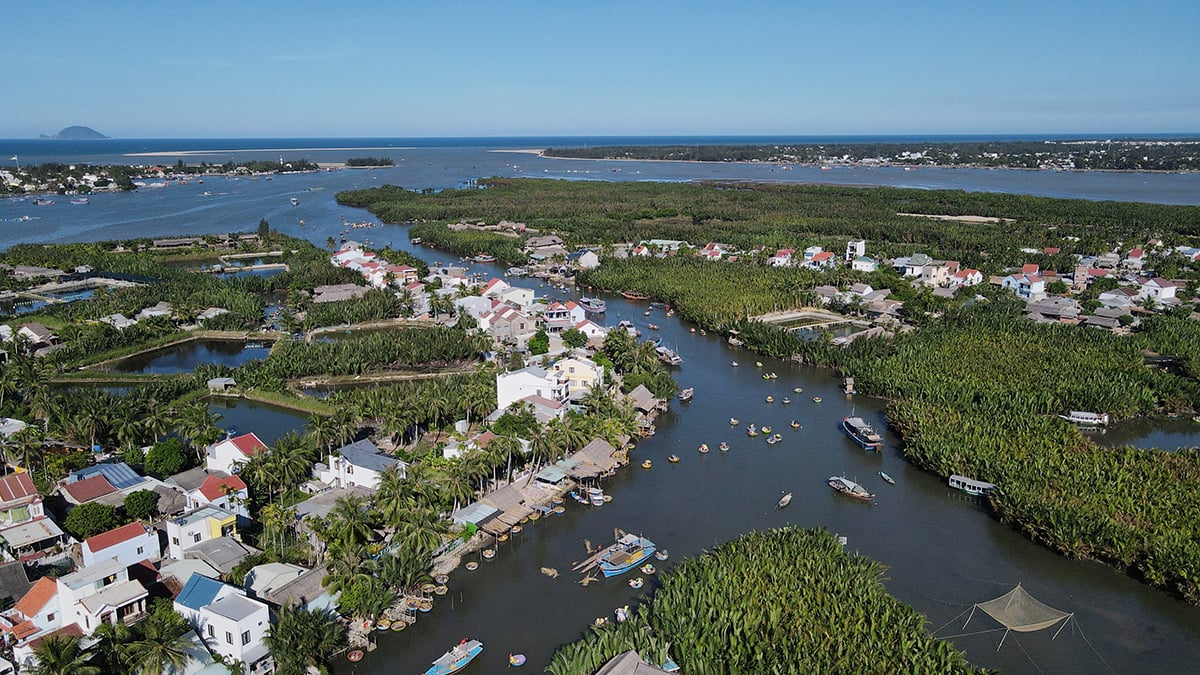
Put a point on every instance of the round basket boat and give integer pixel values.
(471, 566)
(661, 555)
(428, 588)
(516, 529)
(398, 626)
(355, 656)
(383, 624)
(674, 459)
(488, 554)
(535, 515)
(442, 578)
(425, 606)
(440, 590)
(607, 498)
(560, 510)
(647, 464)
(516, 660)
(411, 603)
(556, 501)
(648, 569)
(502, 538)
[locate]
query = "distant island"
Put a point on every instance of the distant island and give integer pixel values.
(1066, 155)
(76, 134)
(369, 162)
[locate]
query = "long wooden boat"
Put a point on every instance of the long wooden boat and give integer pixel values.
(886, 478)
(457, 658)
(634, 295)
(862, 433)
(784, 501)
(850, 488)
(627, 553)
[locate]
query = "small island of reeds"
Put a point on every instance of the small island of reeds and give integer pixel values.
(781, 601)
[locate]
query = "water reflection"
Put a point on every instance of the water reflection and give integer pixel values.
(183, 358)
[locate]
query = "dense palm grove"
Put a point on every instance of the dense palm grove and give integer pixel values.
(827, 613)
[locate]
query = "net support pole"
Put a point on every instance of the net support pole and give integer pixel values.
(1006, 632)
(1064, 625)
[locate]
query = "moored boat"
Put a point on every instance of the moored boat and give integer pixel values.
(79, 200)
(666, 354)
(687, 394)
(975, 488)
(703, 448)
(628, 552)
(784, 500)
(886, 478)
(634, 295)
(295, 201)
(483, 258)
(850, 488)
(628, 327)
(42, 201)
(456, 658)
(593, 305)
(596, 495)
(862, 433)
(733, 421)
(1087, 419)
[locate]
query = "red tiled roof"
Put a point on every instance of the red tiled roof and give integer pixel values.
(89, 488)
(70, 630)
(248, 444)
(1136, 253)
(1029, 268)
(213, 487)
(16, 486)
(24, 629)
(1051, 250)
(36, 597)
(111, 538)
(483, 439)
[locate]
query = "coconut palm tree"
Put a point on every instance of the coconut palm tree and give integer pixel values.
(111, 640)
(301, 640)
(351, 522)
(62, 655)
(161, 646)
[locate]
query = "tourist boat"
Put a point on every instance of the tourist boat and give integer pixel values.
(456, 658)
(636, 583)
(733, 421)
(516, 660)
(79, 200)
(355, 655)
(513, 271)
(772, 440)
(850, 488)
(765, 430)
(795, 424)
(666, 354)
(723, 447)
(652, 326)
(622, 614)
(647, 464)
(483, 258)
(593, 305)
(596, 495)
(975, 488)
(627, 553)
(784, 500)
(886, 478)
(417, 240)
(862, 433)
(751, 430)
(628, 327)
(42, 201)
(703, 448)
(674, 459)
(634, 295)
(1086, 419)
(687, 394)
(295, 201)
(647, 569)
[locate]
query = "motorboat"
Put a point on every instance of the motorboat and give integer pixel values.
(862, 433)
(850, 488)
(593, 305)
(733, 421)
(456, 658)
(687, 394)
(628, 552)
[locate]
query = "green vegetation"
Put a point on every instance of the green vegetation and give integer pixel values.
(301, 640)
(784, 601)
(150, 647)
(370, 161)
(1128, 155)
(92, 518)
(142, 505)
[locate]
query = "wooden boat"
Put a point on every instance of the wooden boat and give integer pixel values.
(850, 488)
(674, 459)
(862, 433)
(766, 430)
(593, 305)
(627, 553)
(733, 421)
(383, 624)
(772, 440)
(816, 399)
(456, 658)
(661, 555)
(634, 295)
(647, 464)
(887, 479)
(786, 400)
(471, 566)
(703, 448)
(652, 326)
(355, 655)
(766, 376)
(784, 500)
(975, 488)
(687, 394)
(724, 447)
(646, 313)
(484, 258)
(751, 430)
(770, 399)
(648, 569)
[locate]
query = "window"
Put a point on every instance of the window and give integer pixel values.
(228, 637)
(196, 538)
(175, 540)
(246, 638)
(349, 468)
(210, 630)
(50, 617)
(141, 550)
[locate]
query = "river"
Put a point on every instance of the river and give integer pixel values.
(943, 551)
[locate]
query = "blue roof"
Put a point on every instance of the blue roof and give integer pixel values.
(119, 474)
(365, 454)
(199, 592)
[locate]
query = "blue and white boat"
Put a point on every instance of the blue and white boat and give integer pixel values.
(863, 433)
(593, 305)
(457, 658)
(627, 553)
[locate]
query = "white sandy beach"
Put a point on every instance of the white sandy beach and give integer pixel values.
(243, 150)
(527, 151)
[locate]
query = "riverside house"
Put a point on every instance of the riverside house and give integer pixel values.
(358, 464)
(226, 455)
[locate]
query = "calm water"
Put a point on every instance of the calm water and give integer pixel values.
(183, 358)
(268, 422)
(1150, 433)
(943, 551)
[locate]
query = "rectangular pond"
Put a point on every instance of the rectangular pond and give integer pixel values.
(183, 358)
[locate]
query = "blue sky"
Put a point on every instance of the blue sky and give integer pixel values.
(507, 67)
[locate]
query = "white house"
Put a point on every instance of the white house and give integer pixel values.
(782, 258)
(967, 277)
(1161, 291)
(101, 593)
(37, 611)
(517, 296)
(194, 527)
(592, 330)
(228, 493)
(864, 264)
(129, 545)
(226, 455)
(530, 381)
(855, 248)
(230, 623)
(1030, 286)
(820, 259)
(582, 374)
(358, 464)
(585, 259)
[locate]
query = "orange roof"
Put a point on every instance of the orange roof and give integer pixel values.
(248, 444)
(24, 629)
(1029, 268)
(16, 486)
(111, 538)
(36, 598)
(213, 487)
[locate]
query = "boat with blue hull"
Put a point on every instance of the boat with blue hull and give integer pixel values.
(593, 305)
(457, 658)
(627, 553)
(863, 433)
